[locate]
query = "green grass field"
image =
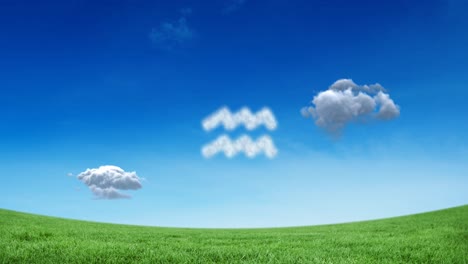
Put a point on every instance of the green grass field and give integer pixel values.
(434, 237)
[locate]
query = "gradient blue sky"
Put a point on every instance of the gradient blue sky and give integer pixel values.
(85, 84)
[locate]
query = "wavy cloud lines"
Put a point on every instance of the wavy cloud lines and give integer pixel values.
(245, 144)
(244, 117)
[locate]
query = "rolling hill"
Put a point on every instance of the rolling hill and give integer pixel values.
(434, 237)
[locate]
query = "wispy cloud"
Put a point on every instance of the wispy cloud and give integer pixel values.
(171, 34)
(244, 117)
(233, 5)
(106, 182)
(243, 144)
(345, 102)
(186, 11)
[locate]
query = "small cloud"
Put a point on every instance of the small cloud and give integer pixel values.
(233, 5)
(346, 102)
(173, 34)
(70, 174)
(106, 182)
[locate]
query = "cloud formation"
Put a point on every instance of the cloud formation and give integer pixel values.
(171, 34)
(346, 102)
(186, 11)
(263, 144)
(244, 117)
(233, 5)
(106, 181)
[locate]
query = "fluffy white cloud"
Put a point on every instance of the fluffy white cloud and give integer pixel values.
(107, 181)
(243, 117)
(345, 102)
(243, 144)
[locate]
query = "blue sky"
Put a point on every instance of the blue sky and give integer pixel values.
(86, 84)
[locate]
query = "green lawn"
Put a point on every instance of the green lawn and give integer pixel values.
(434, 237)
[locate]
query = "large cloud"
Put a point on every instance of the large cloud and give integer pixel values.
(107, 181)
(345, 102)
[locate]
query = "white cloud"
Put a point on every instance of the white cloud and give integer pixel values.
(69, 174)
(345, 102)
(107, 181)
(243, 117)
(243, 144)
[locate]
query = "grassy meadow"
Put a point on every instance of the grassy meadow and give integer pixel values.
(434, 237)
